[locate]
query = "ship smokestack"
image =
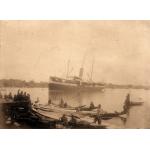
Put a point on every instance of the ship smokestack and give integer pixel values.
(81, 73)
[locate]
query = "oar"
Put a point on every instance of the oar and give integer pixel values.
(80, 106)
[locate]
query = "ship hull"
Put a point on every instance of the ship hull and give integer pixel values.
(67, 88)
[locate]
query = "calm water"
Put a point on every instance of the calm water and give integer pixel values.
(111, 100)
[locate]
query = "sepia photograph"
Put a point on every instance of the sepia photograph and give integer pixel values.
(74, 74)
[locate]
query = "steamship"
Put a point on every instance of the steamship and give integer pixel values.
(74, 83)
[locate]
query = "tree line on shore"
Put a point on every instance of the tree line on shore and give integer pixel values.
(21, 83)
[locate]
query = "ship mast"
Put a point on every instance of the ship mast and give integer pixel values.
(82, 69)
(92, 69)
(68, 65)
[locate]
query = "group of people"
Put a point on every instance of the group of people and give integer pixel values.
(97, 118)
(63, 104)
(64, 118)
(20, 96)
(99, 111)
(6, 96)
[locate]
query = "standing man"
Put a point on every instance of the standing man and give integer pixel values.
(98, 115)
(127, 103)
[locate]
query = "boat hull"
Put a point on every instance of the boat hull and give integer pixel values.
(64, 87)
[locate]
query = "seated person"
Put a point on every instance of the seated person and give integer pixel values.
(64, 119)
(65, 105)
(61, 103)
(92, 105)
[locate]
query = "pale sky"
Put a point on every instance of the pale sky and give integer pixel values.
(35, 50)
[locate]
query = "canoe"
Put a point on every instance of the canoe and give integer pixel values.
(52, 111)
(136, 103)
(52, 107)
(87, 109)
(82, 122)
(106, 116)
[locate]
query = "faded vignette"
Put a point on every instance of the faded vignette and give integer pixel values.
(74, 74)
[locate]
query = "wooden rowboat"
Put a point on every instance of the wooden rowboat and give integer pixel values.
(136, 103)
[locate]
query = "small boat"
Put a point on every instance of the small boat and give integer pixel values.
(136, 103)
(106, 116)
(54, 107)
(82, 122)
(87, 109)
(82, 113)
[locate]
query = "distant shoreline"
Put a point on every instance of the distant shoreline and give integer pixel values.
(114, 86)
(16, 83)
(1, 88)
(20, 87)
